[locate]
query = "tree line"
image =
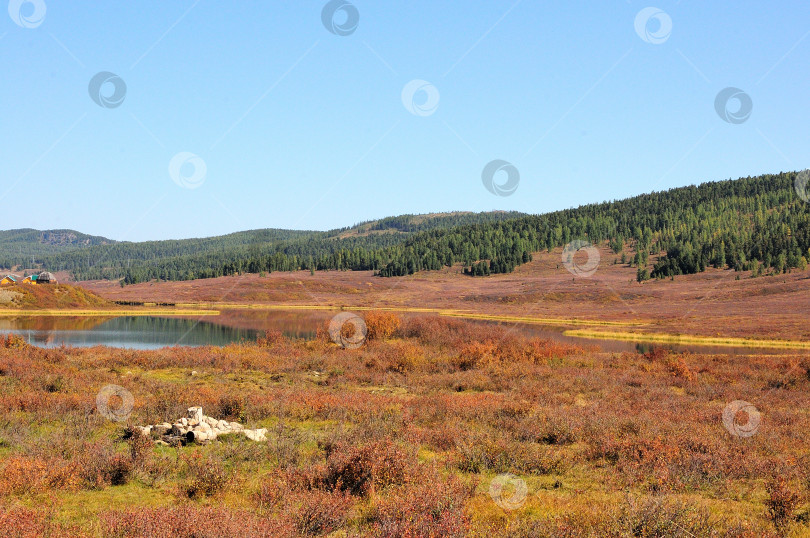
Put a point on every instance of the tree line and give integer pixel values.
(359, 247)
(753, 223)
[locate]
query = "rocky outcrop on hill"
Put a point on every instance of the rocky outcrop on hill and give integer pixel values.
(195, 427)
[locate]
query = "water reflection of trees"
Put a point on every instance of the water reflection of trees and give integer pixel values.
(174, 330)
(124, 331)
(52, 323)
(292, 323)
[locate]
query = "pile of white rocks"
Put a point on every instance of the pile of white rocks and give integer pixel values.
(196, 427)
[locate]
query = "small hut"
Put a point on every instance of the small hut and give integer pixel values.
(9, 279)
(45, 278)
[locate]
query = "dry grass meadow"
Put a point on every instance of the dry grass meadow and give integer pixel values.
(434, 427)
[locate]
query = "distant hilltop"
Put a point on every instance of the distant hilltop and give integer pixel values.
(93, 257)
(757, 224)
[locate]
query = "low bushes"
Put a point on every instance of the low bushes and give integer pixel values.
(382, 440)
(435, 506)
(356, 470)
(782, 502)
(12, 341)
(381, 325)
(498, 455)
(94, 466)
(192, 522)
(494, 353)
(317, 512)
(28, 523)
(205, 476)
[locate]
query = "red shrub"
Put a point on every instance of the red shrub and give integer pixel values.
(27, 523)
(433, 507)
(317, 512)
(361, 470)
(230, 407)
(475, 355)
(192, 522)
(99, 465)
(782, 502)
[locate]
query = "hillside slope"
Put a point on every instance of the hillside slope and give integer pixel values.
(52, 296)
(17, 247)
(184, 259)
(759, 224)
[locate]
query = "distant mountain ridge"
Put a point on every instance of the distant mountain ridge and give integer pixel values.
(51, 237)
(757, 224)
(23, 243)
(90, 257)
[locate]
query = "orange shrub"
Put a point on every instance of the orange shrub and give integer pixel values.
(538, 351)
(381, 325)
(678, 367)
(475, 355)
(438, 331)
(656, 353)
(510, 350)
(23, 475)
(397, 356)
(270, 338)
(26, 474)
(13, 341)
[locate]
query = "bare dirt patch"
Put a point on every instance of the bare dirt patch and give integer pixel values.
(714, 303)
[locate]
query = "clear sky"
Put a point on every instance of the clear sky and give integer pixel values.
(294, 125)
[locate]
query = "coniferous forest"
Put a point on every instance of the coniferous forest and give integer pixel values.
(754, 223)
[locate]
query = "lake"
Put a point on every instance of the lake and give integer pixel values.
(132, 332)
(154, 332)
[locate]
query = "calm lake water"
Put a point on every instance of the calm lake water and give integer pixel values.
(152, 332)
(132, 332)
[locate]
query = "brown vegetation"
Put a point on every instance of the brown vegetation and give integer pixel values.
(41, 296)
(404, 437)
(715, 303)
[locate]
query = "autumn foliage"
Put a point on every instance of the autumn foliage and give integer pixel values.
(403, 437)
(381, 325)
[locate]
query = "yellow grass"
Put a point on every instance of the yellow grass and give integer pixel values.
(417, 310)
(108, 312)
(542, 321)
(688, 339)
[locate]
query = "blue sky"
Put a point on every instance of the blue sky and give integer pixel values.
(299, 127)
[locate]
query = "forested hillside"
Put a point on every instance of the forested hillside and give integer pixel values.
(361, 245)
(746, 224)
(17, 247)
(756, 224)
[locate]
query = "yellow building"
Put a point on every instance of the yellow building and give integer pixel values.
(9, 279)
